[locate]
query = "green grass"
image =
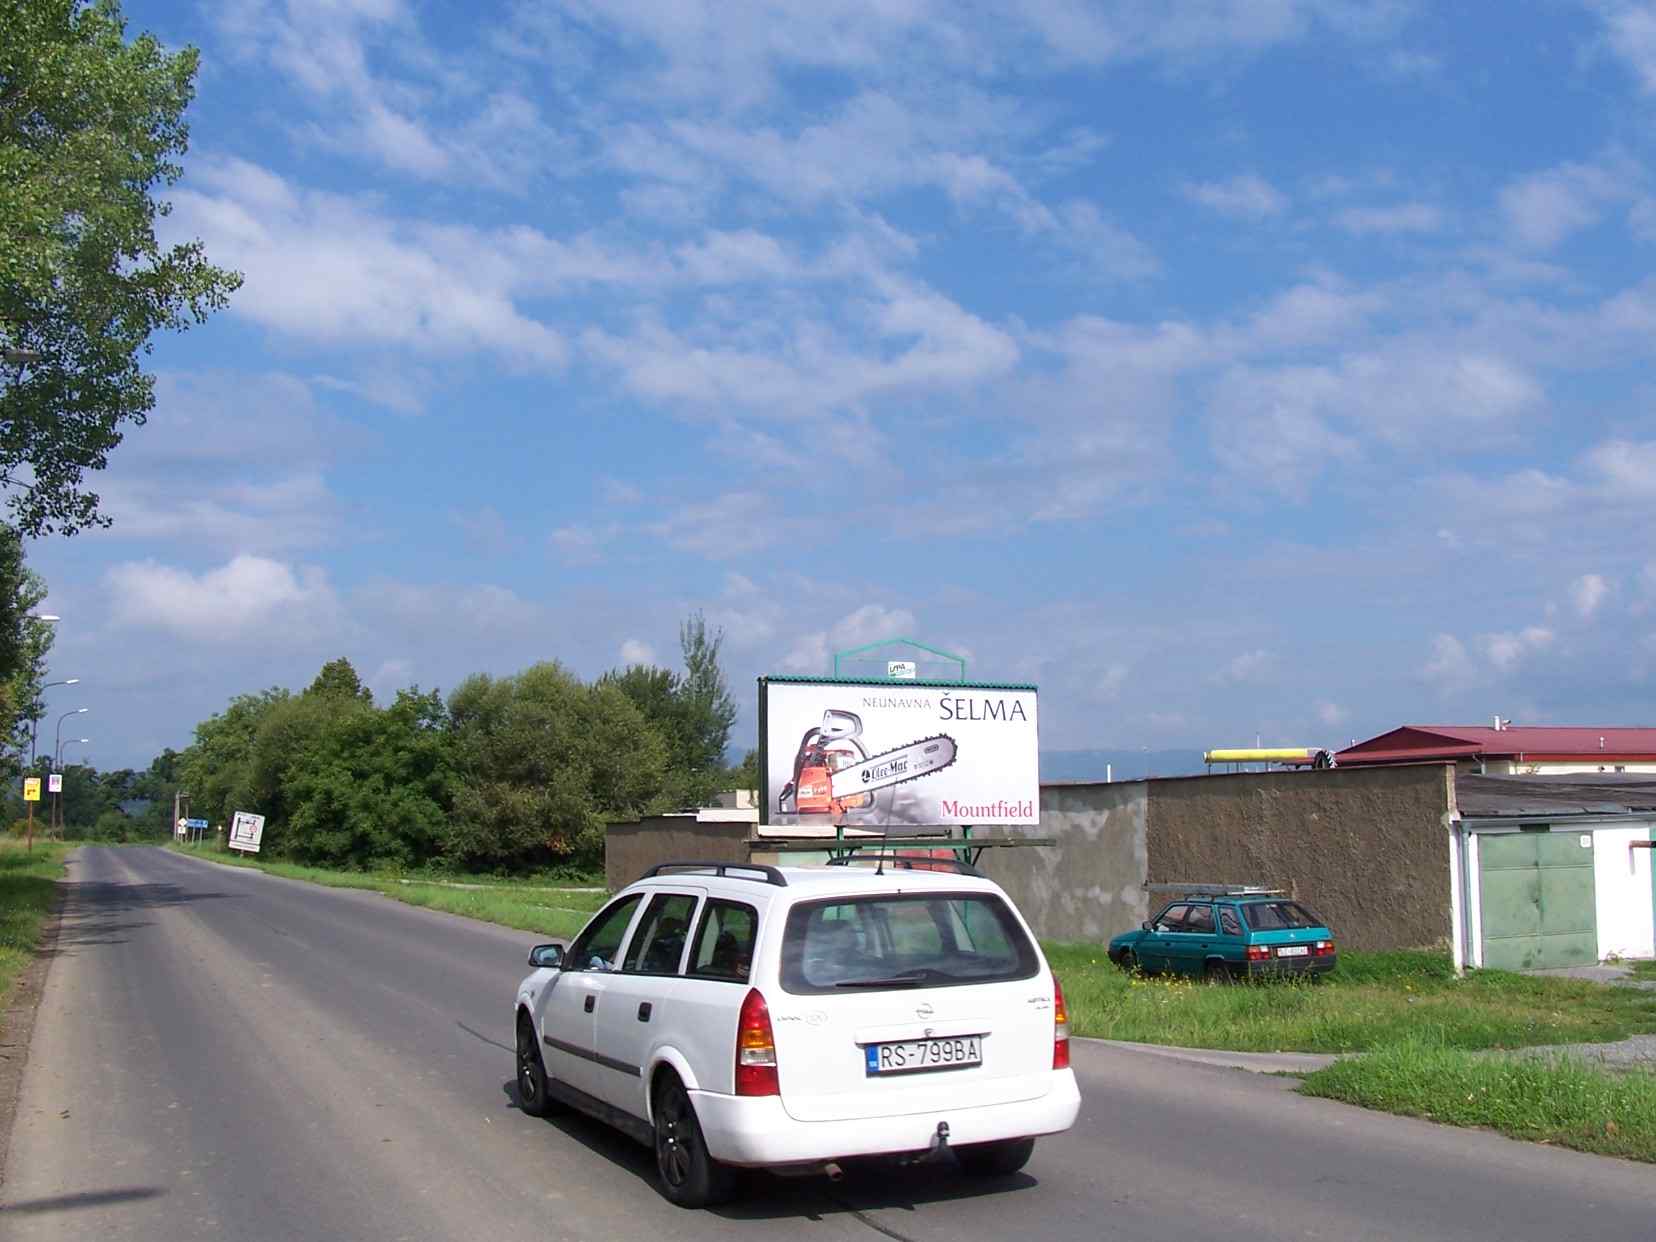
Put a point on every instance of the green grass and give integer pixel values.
(1371, 1000)
(1545, 1099)
(1643, 970)
(543, 906)
(27, 881)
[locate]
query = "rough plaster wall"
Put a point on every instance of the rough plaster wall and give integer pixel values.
(1091, 884)
(1363, 847)
(629, 849)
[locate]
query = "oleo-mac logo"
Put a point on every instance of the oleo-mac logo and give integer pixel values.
(895, 768)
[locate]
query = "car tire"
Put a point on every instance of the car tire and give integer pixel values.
(690, 1178)
(995, 1159)
(1127, 961)
(533, 1086)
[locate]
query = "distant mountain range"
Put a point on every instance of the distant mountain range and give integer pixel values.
(1121, 765)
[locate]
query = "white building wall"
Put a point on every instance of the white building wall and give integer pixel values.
(1508, 767)
(1621, 876)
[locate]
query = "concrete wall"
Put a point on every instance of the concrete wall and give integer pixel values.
(1363, 847)
(1622, 892)
(629, 849)
(1091, 884)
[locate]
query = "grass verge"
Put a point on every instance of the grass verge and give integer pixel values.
(27, 881)
(1643, 970)
(544, 907)
(1371, 1000)
(1548, 1100)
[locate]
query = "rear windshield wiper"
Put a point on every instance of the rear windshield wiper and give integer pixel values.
(894, 981)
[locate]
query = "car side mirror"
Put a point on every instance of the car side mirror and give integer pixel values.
(1146, 925)
(546, 955)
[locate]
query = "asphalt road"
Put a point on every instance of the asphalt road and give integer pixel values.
(221, 1054)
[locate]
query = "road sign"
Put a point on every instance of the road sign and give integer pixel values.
(246, 830)
(54, 783)
(196, 823)
(31, 789)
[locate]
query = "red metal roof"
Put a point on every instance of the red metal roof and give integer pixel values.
(1414, 743)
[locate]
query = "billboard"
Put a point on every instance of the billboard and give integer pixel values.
(246, 830)
(891, 753)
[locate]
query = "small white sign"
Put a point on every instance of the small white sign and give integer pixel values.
(246, 830)
(901, 670)
(1586, 840)
(54, 783)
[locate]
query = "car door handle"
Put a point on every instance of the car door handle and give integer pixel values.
(590, 1002)
(643, 1011)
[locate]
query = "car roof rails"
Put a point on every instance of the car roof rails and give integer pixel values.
(907, 862)
(1217, 890)
(767, 874)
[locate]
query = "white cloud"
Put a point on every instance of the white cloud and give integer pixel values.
(333, 270)
(636, 651)
(1588, 593)
(393, 674)
(813, 652)
(1249, 668)
(1450, 667)
(1392, 220)
(1506, 650)
(579, 544)
(250, 599)
(1625, 469)
(1330, 715)
(1544, 208)
(1630, 30)
(1247, 196)
(732, 524)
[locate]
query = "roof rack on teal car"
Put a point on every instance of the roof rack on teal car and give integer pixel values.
(1217, 890)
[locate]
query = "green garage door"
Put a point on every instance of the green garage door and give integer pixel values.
(1537, 899)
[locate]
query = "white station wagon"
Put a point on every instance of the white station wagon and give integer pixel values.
(735, 1015)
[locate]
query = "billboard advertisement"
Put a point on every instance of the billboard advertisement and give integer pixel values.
(897, 753)
(246, 831)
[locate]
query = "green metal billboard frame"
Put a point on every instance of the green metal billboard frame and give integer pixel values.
(947, 656)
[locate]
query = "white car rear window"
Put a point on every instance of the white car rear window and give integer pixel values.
(876, 943)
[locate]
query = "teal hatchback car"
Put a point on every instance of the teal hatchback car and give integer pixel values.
(1228, 935)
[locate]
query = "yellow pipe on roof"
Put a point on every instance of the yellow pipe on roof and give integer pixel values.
(1256, 754)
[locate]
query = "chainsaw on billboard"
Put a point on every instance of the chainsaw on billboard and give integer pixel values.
(833, 772)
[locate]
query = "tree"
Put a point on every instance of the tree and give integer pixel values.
(217, 768)
(707, 709)
(339, 678)
(372, 787)
(91, 126)
(692, 711)
(24, 643)
(544, 763)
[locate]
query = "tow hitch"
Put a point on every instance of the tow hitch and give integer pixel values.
(937, 1149)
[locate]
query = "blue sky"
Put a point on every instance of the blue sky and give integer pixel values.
(1271, 368)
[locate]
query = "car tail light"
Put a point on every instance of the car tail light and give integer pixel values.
(1322, 948)
(1259, 953)
(1060, 1027)
(755, 1048)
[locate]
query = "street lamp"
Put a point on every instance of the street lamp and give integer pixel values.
(57, 766)
(57, 751)
(72, 681)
